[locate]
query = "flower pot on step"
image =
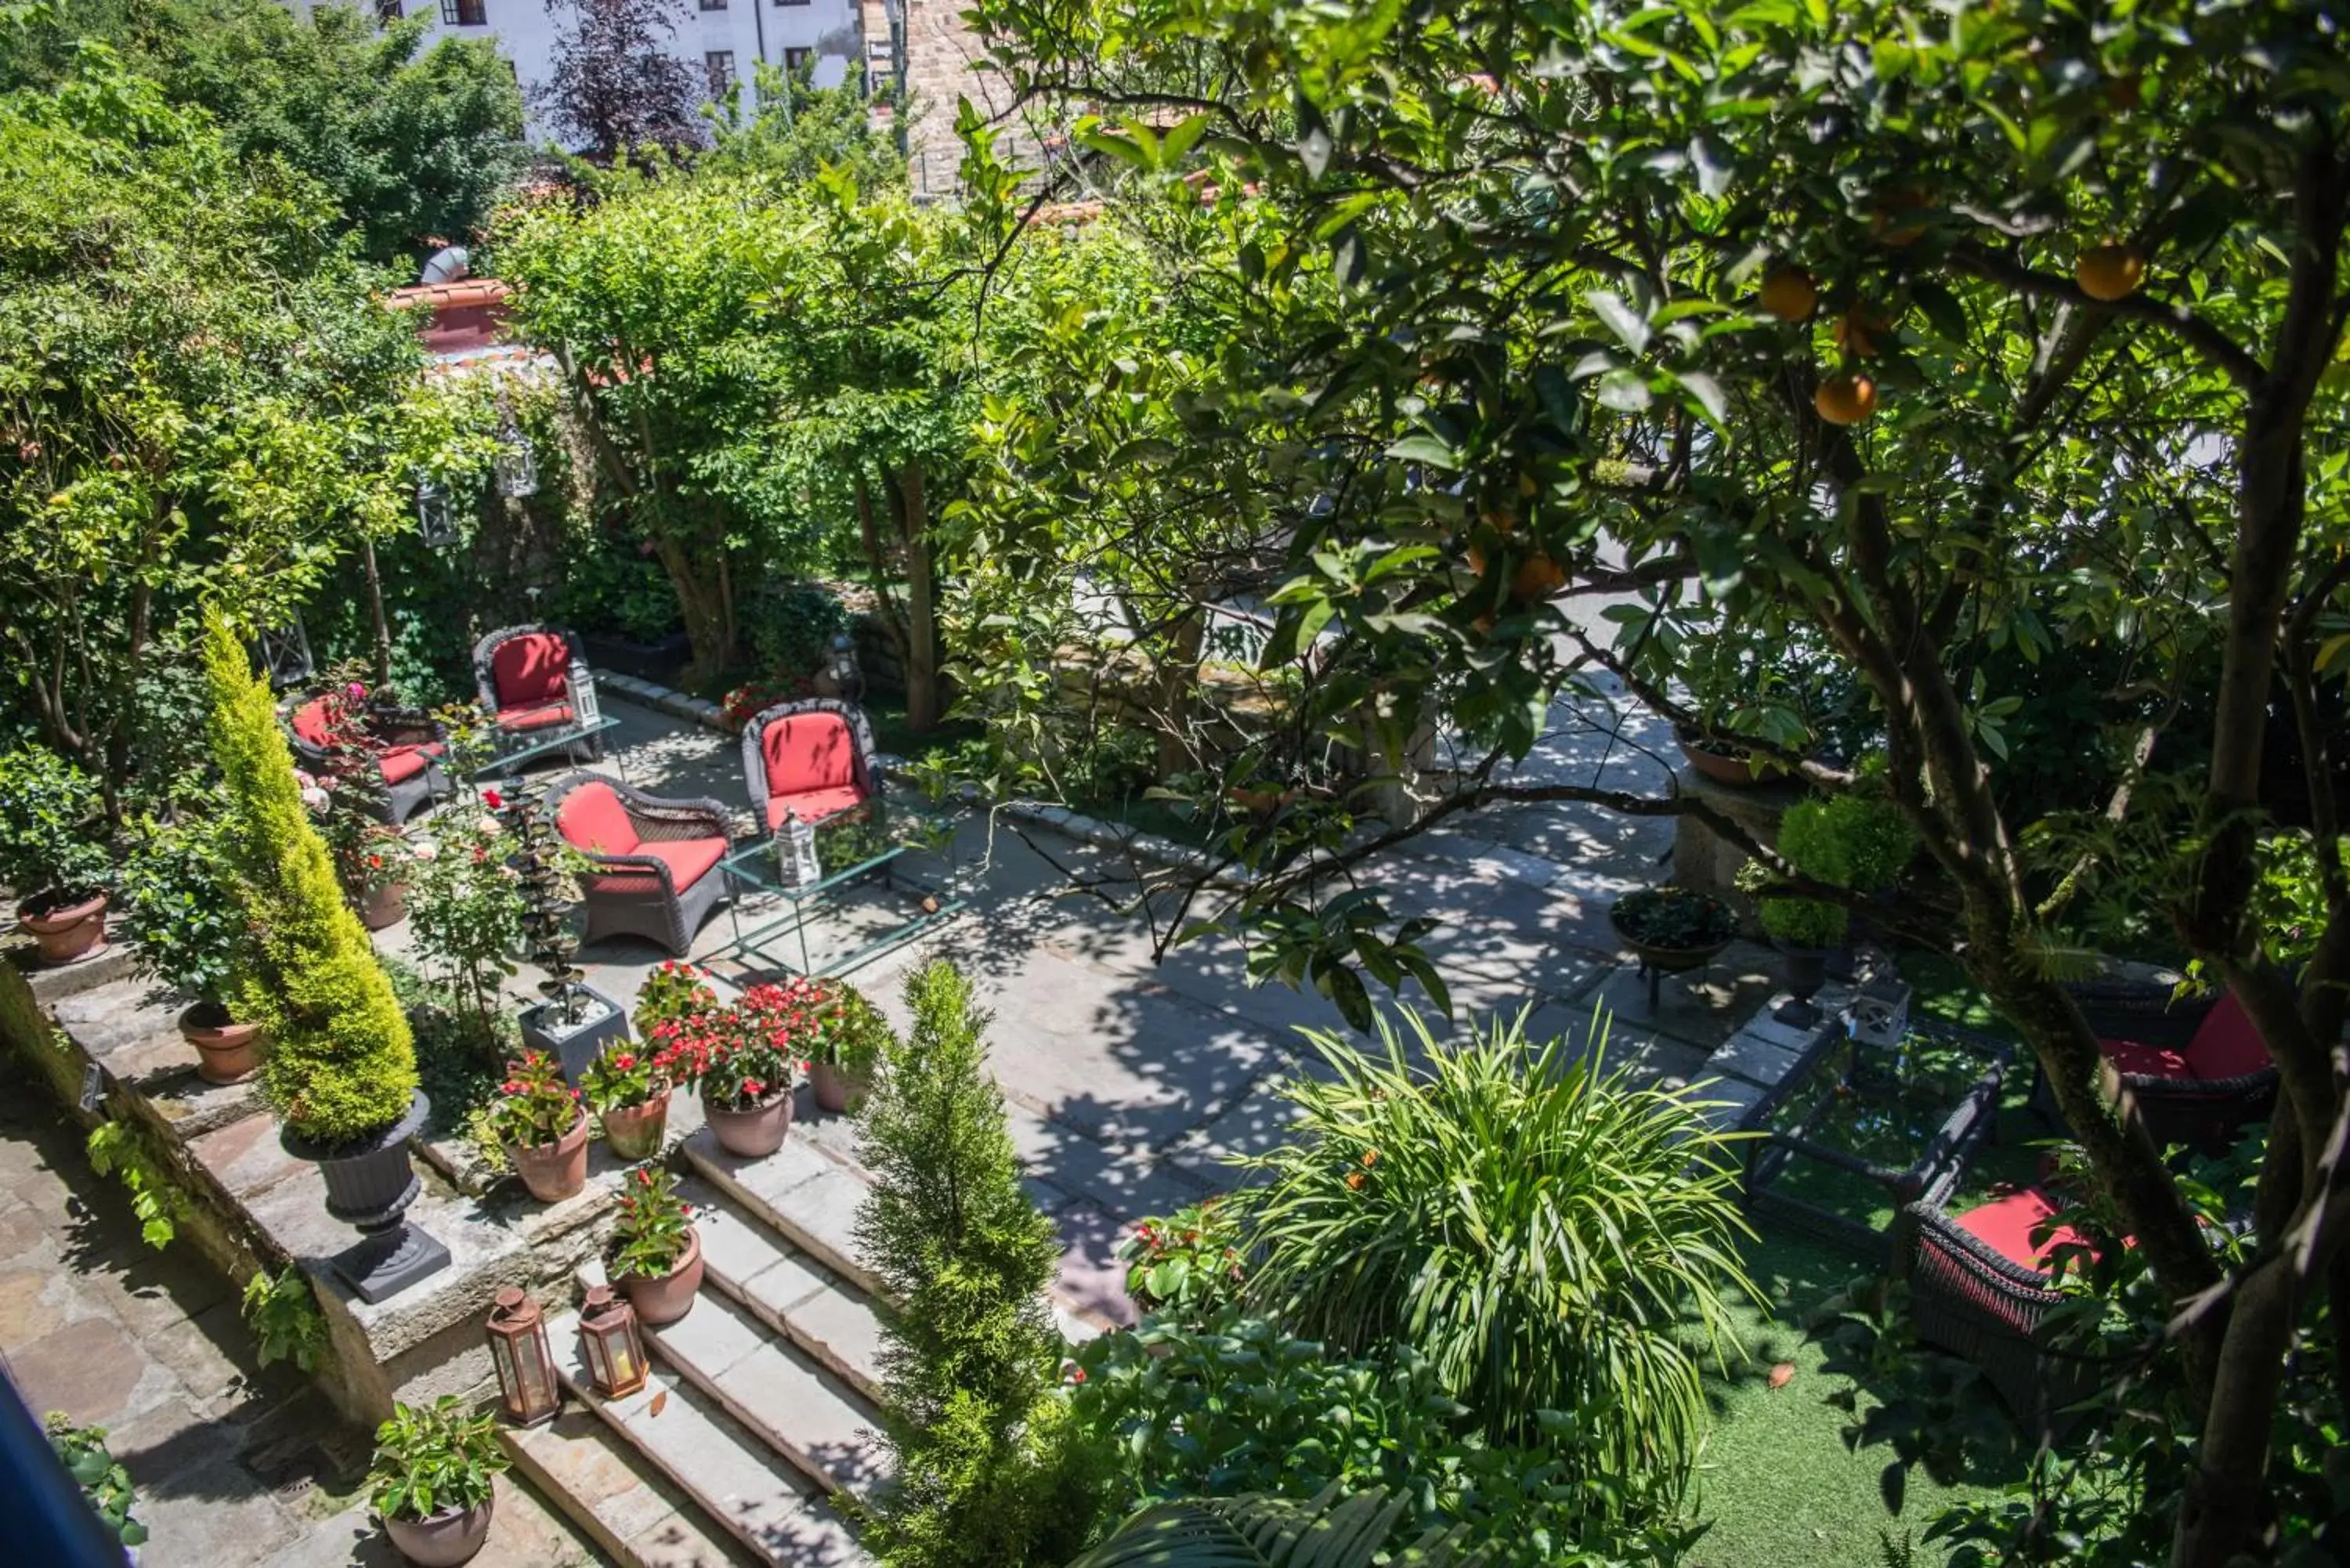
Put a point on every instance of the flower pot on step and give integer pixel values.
(443, 1540)
(369, 1185)
(384, 906)
(752, 1131)
(595, 1021)
(64, 931)
(668, 1297)
(835, 1088)
(1807, 970)
(553, 1171)
(635, 1132)
(226, 1049)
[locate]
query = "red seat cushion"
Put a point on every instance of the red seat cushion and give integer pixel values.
(530, 669)
(592, 817)
(808, 751)
(688, 859)
(400, 764)
(309, 722)
(2005, 1225)
(545, 716)
(2226, 1046)
(813, 804)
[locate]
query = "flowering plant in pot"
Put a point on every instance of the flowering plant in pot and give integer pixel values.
(628, 1087)
(433, 1480)
(745, 1060)
(53, 852)
(671, 993)
(538, 1117)
(465, 910)
(183, 909)
(849, 1038)
(655, 1253)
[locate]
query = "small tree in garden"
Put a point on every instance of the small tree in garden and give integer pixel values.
(615, 85)
(340, 1064)
(962, 1258)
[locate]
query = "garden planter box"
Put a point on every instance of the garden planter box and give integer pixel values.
(574, 1045)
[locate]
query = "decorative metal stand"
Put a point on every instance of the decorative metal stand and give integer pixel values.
(369, 1187)
(576, 1021)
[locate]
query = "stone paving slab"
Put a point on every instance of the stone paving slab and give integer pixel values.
(634, 1514)
(812, 1199)
(789, 1292)
(1701, 1007)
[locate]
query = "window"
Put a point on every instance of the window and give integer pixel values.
(720, 63)
(466, 13)
(796, 59)
(387, 10)
(713, 5)
(792, 2)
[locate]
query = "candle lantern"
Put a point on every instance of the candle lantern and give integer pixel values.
(436, 524)
(615, 1352)
(526, 1380)
(846, 678)
(1880, 1012)
(517, 465)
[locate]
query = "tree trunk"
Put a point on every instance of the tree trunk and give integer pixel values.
(1179, 693)
(701, 600)
(923, 702)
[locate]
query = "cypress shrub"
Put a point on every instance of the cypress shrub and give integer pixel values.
(339, 1063)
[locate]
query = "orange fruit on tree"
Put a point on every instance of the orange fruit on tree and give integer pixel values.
(2111, 271)
(1789, 294)
(1845, 399)
(1891, 202)
(1856, 329)
(1537, 577)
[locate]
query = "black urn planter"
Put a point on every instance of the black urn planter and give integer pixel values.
(369, 1185)
(1807, 970)
(575, 1044)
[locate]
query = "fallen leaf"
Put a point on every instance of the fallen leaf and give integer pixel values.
(1782, 1374)
(660, 1402)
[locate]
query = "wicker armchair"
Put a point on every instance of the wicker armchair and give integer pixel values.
(812, 759)
(534, 677)
(654, 863)
(409, 751)
(2193, 1070)
(1979, 1290)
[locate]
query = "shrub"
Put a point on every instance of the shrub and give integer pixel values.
(1547, 1234)
(790, 627)
(986, 1477)
(432, 1457)
(52, 832)
(179, 903)
(340, 1064)
(1804, 922)
(1857, 841)
(103, 1481)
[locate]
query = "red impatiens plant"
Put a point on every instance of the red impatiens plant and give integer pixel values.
(1186, 1263)
(674, 992)
(624, 1075)
(742, 1056)
(649, 1235)
(534, 1105)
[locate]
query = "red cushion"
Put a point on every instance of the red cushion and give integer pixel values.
(688, 859)
(2226, 1046)
(309, 722)
(2005, 1225)
(529, 669)
(592, 817)
(813, 804)
(401, 763)
(545, 716)
(808, 751)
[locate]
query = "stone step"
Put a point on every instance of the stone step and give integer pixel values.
(617, 1496)
(742, 1485)
(827, 1316)
(782, 1396)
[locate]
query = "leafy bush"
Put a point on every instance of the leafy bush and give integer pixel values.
(283, 1313)
(609, 589)
(340, 1064)
(1804, 922)
(791, 626)
(180, 902)
(1236, 1406)
(986, 1476)
(1186, 1264)
(1329, 1530)
(433, 1457)
(1857, 841)
(465, 906)
(121, 1150)
(52, 832)
(104, 1482)
(1546, 1233)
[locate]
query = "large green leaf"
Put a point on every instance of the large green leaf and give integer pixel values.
(1255, 1532)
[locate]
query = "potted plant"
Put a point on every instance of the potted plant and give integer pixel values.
(53, 852)
(183, 909)
(538, 1116)
(850, 1035)
(1673, 929)
(655, 1255)
(1724, 761)
(576, 1021)
(743, 1060)
(340, 1071)
(1859, 841)
(629, 1091)
(433, 1481)
(671, 993)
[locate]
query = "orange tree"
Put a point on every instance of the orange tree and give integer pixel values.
(1985, 350)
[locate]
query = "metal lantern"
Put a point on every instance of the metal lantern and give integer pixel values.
(436, 522)
(846, 678)
(1881, 1012)
(517, 465)
(526, 1380)
(284, 654)
(615, 1352)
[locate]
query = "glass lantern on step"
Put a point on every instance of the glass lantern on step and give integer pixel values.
(616, 1351)
(527, 1387)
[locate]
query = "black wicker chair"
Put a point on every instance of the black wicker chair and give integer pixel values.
(535, 679)
(411, 752)
(1971, 1299)
(814, 758)
(655, 870)
(2203, 1113)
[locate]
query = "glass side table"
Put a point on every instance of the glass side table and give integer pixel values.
(852, 852)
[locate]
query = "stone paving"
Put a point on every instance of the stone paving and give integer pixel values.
(234, 1464)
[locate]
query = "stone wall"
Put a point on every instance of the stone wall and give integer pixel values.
(943, 66)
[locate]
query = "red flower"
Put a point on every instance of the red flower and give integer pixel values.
(492, 799)
(623, 1062)
(752, 1088)
(1076, 1374)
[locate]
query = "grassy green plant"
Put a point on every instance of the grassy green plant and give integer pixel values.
(340, 1064)
(429, 1458)
(1331, 1531)
(103, 1481)
(1550, 1236)
(118, 1149)
(985, 1476)
(283, 1313)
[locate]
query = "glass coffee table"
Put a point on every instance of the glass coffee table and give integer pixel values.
(787, 935)
(533, 743)
(1857, 1131)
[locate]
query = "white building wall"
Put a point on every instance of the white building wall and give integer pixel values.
(749, 30)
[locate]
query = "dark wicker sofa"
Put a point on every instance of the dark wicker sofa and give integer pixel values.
(654, 863)
(1982, 1291)
(2192, 1070)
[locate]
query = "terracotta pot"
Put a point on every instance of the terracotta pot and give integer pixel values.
(67, 932)
(444, 1538)
(386, 906)
(751, 1134)
(670, 1296)
(634, 1132)
(225, 1048)
(834, 1088)
(553, 1171)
